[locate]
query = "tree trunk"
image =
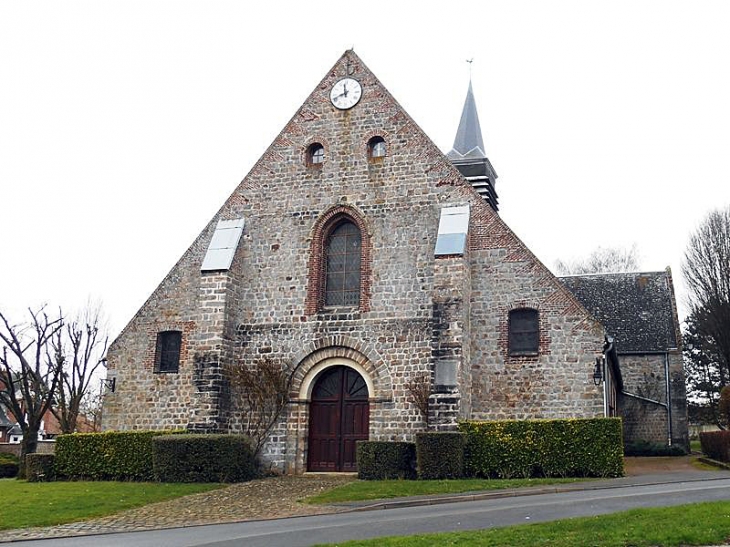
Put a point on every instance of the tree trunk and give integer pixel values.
(29, 445)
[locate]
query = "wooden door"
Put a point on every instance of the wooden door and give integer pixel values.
(339, 416)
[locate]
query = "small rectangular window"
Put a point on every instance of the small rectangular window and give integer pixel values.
(167, 353)
(524, 332)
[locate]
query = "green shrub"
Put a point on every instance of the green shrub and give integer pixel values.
(203, 458)
(39, 467)
(646, 448)
(9, 465)
(716, 445)
(113, 455)
(440, 455)
(381, 460)
(544, 448)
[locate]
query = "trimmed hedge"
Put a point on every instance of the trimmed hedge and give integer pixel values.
(381, 460)
(112, 455)
(544, 448)
(716, 445)
(649, 449)
(9, 465)
(39, 467)
(203, 458)
(440, 455)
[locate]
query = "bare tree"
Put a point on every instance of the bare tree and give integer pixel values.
(602, 260)
(419, 389)
(29, 378)
(262, 392)
(79, 350)
(706, 269)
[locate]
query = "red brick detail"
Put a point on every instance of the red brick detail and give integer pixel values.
(185, 327)
(316, 276)
(503, 340)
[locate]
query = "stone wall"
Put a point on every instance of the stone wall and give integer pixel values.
(415, 310)
(644, 376)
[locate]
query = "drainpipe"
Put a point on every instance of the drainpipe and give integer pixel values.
(607, 347)
(669, 399)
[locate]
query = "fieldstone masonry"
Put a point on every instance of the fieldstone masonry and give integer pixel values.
(416, 312)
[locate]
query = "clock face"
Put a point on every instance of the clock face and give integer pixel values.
(346, 93)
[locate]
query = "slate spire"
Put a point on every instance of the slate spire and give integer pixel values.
(468, 154)
(468, 141)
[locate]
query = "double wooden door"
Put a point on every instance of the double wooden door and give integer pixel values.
(339, 416)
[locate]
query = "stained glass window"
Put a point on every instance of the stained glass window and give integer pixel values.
(342, 273)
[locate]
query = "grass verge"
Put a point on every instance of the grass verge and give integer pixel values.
(376, 490)
(27, 504)
(695, 524)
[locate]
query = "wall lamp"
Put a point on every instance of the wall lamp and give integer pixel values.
(598, 371)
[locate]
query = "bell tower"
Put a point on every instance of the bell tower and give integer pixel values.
(468, 154)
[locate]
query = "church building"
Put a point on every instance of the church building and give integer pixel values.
(371, 267)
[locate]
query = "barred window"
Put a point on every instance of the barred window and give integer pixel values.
(524, 332)
(342, 262)
(167, 353)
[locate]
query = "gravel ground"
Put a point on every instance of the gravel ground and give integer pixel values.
(256, 500)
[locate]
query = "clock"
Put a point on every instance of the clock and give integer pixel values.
(346, 93)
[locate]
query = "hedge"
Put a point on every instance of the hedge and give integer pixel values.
(9, 465)
(112, 455)
(381, 460)
(440, 455)
(203, 458)
(650, 449)
(39, 467)
(716, 445)
(544, 448)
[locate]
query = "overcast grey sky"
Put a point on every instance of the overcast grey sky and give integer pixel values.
(125, 125)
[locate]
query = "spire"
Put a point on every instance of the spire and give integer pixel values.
(468, 141)
(468, 154)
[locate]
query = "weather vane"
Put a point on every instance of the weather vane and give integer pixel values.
(470, 61)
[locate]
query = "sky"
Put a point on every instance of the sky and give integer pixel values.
(125, 125)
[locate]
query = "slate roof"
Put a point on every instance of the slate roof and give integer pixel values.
(637, 309)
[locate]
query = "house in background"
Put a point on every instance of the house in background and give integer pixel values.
(361, 259)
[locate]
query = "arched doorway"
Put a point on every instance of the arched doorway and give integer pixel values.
(339, 416)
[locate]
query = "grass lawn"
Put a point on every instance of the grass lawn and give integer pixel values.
(695, 524)
(695, 446)
(376, 490)
(28, 504)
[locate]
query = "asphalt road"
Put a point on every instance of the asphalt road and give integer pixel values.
(472, 515)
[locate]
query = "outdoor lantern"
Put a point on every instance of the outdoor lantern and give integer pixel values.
(598, 372)
(111, 385)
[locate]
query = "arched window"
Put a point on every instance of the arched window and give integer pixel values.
(524, 332)
(315, 154)
(342, 265)
(376, 148)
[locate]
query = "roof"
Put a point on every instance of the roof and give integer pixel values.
(637, 309)
(4, 419)
(468, 141)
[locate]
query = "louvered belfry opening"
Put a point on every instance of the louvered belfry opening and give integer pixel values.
(342, 278)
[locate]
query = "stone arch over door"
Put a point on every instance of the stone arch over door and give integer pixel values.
(312, 364)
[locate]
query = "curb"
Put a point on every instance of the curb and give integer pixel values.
(499, 494)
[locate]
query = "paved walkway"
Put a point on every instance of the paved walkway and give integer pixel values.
(279, 497)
